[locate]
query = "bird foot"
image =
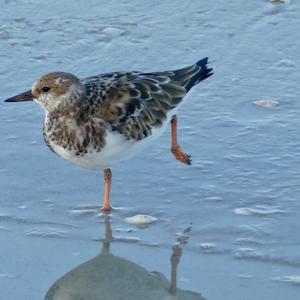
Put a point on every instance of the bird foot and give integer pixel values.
(180, 155)
(106, 210)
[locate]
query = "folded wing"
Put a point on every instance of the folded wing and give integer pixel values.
(133, 102)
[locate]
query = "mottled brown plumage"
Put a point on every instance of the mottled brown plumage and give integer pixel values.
(133, 103)
(101, 120)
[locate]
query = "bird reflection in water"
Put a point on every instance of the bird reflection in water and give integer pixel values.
(109, 277)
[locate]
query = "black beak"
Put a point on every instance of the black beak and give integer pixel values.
(26, 96)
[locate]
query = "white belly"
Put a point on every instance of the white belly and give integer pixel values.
(116, 149)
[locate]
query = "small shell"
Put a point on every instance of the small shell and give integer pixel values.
(140, 220)
(279, 1)
(266, 103)
(207, 246)
(291, 279)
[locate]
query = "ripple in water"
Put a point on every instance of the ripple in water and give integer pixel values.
(47, 233)
(258, 210)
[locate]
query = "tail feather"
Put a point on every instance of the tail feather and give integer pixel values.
(192, 75)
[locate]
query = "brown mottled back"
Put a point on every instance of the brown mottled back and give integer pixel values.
(135, 102)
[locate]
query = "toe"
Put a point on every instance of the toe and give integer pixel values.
(181, 156)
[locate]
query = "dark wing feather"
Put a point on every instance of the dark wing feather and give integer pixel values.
(133, 103)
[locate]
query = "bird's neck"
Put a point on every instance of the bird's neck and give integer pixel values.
(67, 110)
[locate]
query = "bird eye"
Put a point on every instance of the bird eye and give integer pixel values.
(46, 89)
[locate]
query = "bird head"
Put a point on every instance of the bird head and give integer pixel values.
(53, 91)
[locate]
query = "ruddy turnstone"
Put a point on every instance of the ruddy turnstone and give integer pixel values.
(101, 120)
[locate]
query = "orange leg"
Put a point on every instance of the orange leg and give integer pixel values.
(106, 203)
(177, 152)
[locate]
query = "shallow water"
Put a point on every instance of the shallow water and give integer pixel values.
(240, 196)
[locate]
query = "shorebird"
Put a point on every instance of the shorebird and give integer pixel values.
(102, 120)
